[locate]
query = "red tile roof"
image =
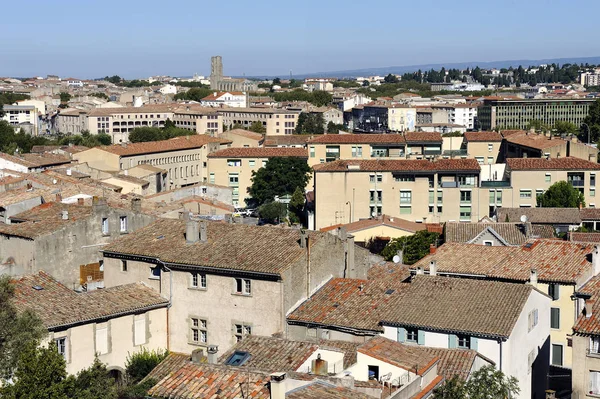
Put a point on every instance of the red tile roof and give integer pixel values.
(218, 94)
(174, 144)
(383, 220)
(482, 137)
(536, 141)
(398, 165)
(359, 139)
(36, 160)
(260, 152)
(408, 357)
(245, 133)
(423, 137)
(58, 306)
(323, 390)
(567, 163)
(584, 237)
(590, 325)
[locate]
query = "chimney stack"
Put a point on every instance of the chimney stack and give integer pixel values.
(432, 249)
(80, 201)
(303, 237)
(432, 268)
(533, 277)
(348, 381)
(278, 386)
(136, 205)
(65, 215)
(58, 197)
(203, 231)
(212, 354)
(588, 307)
(420, 270)
(197, 356)
(192, 233)
(69, 172)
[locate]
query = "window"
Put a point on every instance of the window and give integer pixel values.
(238, 358)
(251, 162)
(123, 224)
(198, 280)
(312, 152)
(465, 213)
(592, 192)
(490, 147)
(234, 180)
(440, 197)
(431, 196)
(465, 197)
(525, 194)
(241, 330)
(553, 291)
(373, 372)
(123, 265)
(466, 181)
(548, 178)
(234, 162)
(211, 177)
(372, 178)
(595, 382)
(198, 331)
(479, 160)
(464, 341)
(498, 197)
(595, 345)
(539, 193)
(405, 178)
(102, 338)
(557, 355)
(412, 335)
(243, 286)
(105, 226)
(405, 197)
(139, 330)
(61, 346)
(379, 177)
(359, 151)
(488, 243)
(155, 272)
(490, 160)
(555, 318)
(592, 180)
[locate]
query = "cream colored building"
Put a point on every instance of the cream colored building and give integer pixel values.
(275, 121)
(184, 158)
(72, 121)
(382, 227)
(233, 167)
(401, 118)
(119, 122)
(202, 120)
(112, 323)
(483, 146)
(241, 138)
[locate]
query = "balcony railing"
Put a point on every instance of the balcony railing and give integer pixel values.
(455, 153)
(499, 183)
(432, 152)
(577, 183)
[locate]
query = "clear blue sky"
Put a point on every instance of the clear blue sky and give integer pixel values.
(132, 38)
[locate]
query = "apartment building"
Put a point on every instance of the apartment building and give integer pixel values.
(111, 324)
(517, 114)
(202, 120)
(532, 145)
(184, 158)
(483, 146)
(416, 190)
(233, 167)
(459, 114)
(383, 118)
(275, 121)
(402, 118)
(241, 138)
(231, 99)
(23, 117)
(531, 177)
(72, 121)
(119, 122)
(226, 281)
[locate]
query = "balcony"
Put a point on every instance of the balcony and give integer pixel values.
(491, 184)
(432, 152)
(577, 183)
(455, 153)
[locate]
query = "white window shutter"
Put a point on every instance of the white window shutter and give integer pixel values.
(140, 331)
(102, 340)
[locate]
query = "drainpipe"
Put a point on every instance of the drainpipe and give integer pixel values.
(307, 266)
(500, 362)
(170, 303)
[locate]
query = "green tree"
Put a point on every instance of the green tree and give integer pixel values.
(194, 94)
(104, 139)
(142, 134)
(94, 382)
(115, 79)
(561, 195)
(280, 176)
(413, 247)
(310, 123)
(64, 97)
(538, 126)
(592, 122)
(277, 81)
(140, 364)
(564, 127)
(321, 98)
(99, 95)
(485, 383)
(257, 127)
(391, 79)
(40, 374)
(273, 212)
(17, 329)
(296, 206)
(334, 128)
(365, 83)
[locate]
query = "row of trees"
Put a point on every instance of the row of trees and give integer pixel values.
(317, 97)
(169, 131)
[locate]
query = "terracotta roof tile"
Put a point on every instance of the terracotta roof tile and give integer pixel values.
(165, 239)
(245, 133)
(260, 152)
(590, 213)
(423, 137)
(512, 233)
(482, 137)
(454, 361)
(359, 139)
(590, 325)
(584, 237)
(36, 160)
(567, 163)
(399, 165)
(174, 144)
(541, 215)
(384, 220)
(286, 140)
(324, 390)
(533, 140)
(555, 261)
(58, 306)
(407, 357)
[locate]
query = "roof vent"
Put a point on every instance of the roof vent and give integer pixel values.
(353, 167)
(37, 287)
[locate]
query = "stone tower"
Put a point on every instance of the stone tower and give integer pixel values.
(216, 71)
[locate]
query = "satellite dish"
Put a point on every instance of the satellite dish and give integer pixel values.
(396, 259)
(523, 219)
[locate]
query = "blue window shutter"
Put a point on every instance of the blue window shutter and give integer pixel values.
(401, 334)
(452, 341)
(474, 343)
(421, 337)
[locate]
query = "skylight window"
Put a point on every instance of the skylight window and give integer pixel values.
(238, 358)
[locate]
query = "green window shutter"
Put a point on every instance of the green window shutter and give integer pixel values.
(474, 343)
(421, 337)
(452, 341)
(401, 334)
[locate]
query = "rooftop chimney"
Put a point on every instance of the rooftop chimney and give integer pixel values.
(212, 354)
(596, 260)
(203, 231)
(136, 205)
(533, 277)
(588, 307)
(80, 201)
(419, 270)
(278, 386)
(69, 173)
(432, 249)
(58, 197)
(303, 237)
(319, 366)
(192, 233)
(197, 356)
(65, 215)
(348, 381)
(432, 268)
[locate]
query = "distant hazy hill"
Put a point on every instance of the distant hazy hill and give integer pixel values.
(459, 65)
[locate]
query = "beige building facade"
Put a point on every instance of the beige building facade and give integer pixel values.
(274, 121)
(202, 120)
(233, 167)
